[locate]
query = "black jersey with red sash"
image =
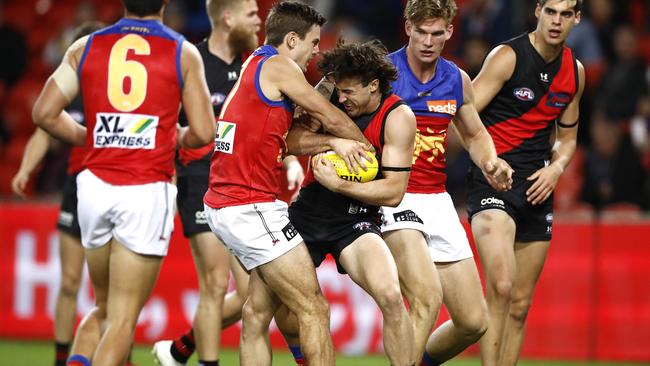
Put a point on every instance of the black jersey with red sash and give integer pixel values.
(220, 77)
(332, 209)
(522, 115)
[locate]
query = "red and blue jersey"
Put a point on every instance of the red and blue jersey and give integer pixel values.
(434, 104)
(131, 84)
(246, 165)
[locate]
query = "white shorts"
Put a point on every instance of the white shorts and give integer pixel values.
(256, 233)
(140, 217)
(435, 216)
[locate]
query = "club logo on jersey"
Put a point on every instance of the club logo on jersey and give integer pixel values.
(217, 99)
(225, 140)
(125, 131)
(407, 215)
(524, 94)
(442, 106)
(558, 100)
(429, 145)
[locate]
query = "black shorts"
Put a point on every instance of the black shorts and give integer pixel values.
(322, 239)
(534, 223)
(191, 189)
(68, 221)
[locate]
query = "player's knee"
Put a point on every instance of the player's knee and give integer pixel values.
(474, 324)
(319, 307)
(390, 301)
(255, 316)
(215, 286)
(502, 289)
(519, 310)
(70, 285)
(427, 304)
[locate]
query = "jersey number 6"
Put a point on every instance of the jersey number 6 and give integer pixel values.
(119, 69)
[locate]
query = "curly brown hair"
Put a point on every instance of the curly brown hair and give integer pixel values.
(367, 61)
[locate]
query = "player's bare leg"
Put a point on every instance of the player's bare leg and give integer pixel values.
(419, 282)
(494, 233)
(369, 263)
(132, 278)
(530, 259)
(463, 298)
(234, 300)
(71, 254)
(292, 278)
(91, 327)
(255, 349)
(212, 265)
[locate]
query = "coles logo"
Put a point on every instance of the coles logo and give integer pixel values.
(524, 94)
(442, 106)
(492, 201)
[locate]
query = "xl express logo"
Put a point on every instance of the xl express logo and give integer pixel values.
(125, 131)
(225, 139)
(442, 106)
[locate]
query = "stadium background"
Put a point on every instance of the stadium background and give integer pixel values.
(593, 300)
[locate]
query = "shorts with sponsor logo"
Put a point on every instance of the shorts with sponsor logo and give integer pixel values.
(330, 236)
(534, 223)
(68, 220)
(191, 189)
(256, 233)
(434, 215)
(140, 217)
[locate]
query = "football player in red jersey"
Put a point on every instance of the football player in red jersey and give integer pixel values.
(241, 202)
(125, 191)
(528, 87)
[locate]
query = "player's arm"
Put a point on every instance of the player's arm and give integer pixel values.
(294, 171)
(563, 149)
(35, 150)
(290, 81)
(59, 90)
(301, 140)
(396, 160)
(200, 130)
(497, 69)
(478, 142)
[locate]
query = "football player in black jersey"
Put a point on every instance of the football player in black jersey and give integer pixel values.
(528, 87)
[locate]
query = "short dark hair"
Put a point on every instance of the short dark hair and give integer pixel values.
(367, 61)
(143, 8)
(290, 16)
(418, 11)
(577, 7)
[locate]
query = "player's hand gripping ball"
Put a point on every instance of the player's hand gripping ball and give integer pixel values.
(342, 170)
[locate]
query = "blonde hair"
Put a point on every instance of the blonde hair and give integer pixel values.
(418, 11)
(216, 8)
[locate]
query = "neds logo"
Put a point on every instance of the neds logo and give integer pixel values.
(442, 106)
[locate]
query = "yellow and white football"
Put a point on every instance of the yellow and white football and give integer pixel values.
(344, 173)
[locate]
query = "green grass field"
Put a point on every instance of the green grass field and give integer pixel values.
(15, 353)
